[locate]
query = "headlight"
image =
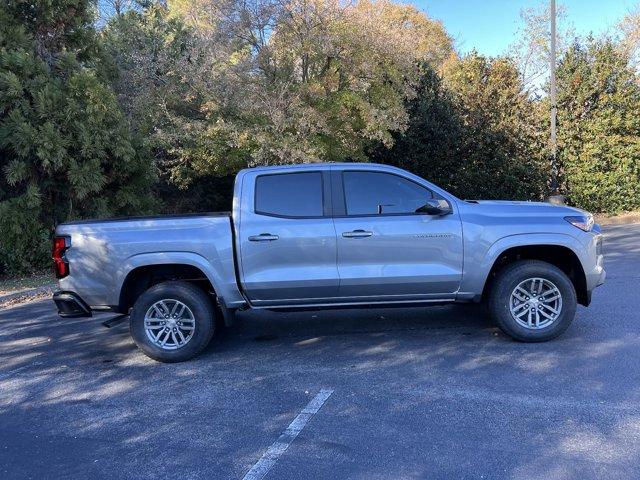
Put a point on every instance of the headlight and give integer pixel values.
(583, 222)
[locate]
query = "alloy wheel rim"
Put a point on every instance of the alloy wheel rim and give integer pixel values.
(535, 303)
(169, 324)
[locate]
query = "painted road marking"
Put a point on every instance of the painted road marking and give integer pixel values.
(270, 457)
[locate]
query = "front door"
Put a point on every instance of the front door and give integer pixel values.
(287, 239)
(386, 250)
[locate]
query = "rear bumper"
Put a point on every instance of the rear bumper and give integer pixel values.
(71, 305)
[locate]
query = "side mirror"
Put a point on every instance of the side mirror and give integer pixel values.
(435, 207)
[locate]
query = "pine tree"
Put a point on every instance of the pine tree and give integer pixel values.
(65, 148)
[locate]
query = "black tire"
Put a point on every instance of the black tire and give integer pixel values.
(201, 306)
(510, 277)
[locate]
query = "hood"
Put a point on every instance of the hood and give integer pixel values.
(511, 207)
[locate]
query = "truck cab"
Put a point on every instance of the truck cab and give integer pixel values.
(345, 234)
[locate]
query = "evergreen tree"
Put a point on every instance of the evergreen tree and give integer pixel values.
(65, 147)
(599, 127)
(431, 145)
(476, 133)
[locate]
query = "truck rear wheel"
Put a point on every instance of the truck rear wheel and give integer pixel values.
(172, 321)
(532, 301)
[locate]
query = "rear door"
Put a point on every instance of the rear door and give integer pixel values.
(388, 251)
(287, 239)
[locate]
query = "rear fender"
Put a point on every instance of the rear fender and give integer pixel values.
(164, 258)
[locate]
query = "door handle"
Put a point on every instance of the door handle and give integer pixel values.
(263, 237)
(357, 234)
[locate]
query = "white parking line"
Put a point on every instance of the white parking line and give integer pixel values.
(269, 459)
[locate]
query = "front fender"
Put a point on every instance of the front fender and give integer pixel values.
(478, 263)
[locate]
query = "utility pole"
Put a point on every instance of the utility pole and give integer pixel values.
(555, 196)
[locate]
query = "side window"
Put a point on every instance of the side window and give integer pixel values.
(371, 193)
(289, 194)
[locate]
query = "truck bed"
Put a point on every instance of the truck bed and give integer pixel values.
(103, 253)
(148, 217)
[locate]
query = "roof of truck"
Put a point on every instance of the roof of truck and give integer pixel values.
(295, 166)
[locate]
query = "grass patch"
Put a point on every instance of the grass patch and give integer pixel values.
(17, 284)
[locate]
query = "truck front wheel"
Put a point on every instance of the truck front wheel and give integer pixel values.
(532, 301)
(172, 321)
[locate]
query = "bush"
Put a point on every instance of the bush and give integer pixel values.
(476, 134)
(25, 241)
(599, 128)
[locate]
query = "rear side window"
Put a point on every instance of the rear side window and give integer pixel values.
(375, 193)
(290, 194)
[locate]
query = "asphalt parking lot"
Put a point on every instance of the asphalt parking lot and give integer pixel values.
(385, 394)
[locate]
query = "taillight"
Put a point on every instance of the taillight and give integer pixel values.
(60, 264)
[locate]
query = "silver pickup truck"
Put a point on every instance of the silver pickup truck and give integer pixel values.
(329, 235)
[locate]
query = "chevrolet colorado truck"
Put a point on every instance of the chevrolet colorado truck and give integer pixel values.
(329, 235)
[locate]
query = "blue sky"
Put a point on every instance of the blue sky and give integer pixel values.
(489, 26)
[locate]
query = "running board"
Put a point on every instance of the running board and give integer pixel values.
(117, 320)
(336, 306)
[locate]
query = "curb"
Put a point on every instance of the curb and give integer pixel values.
(25, 295)
(617, 222)
(622, 219)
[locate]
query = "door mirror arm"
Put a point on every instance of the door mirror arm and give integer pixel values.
(436, 207)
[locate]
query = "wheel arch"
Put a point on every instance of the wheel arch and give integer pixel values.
(176, 265)
(141, 278)
(560, 255)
